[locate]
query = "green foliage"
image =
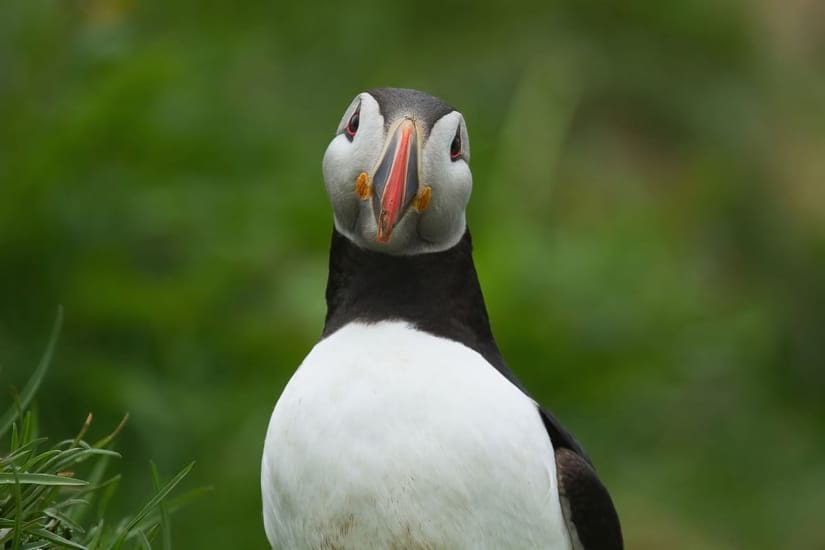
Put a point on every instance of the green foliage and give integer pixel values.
(44, 501)
(648, 216)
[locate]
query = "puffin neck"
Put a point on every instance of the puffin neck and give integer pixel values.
(437, 293)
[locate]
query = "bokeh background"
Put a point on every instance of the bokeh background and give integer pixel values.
(649, 220)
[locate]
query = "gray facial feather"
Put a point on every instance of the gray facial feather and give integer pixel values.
(398, 102)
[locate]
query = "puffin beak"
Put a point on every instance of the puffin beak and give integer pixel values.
(395, 183)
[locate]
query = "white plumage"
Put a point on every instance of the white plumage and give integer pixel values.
(389, 437)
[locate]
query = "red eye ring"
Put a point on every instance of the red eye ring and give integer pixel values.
(353, 123)
(455, 146)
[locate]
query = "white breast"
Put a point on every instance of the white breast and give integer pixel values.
(388, 437)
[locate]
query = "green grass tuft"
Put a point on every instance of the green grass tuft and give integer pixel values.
(47, 502)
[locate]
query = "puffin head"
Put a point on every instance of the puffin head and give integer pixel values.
(397, 172)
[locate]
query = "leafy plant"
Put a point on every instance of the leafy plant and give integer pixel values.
(46, 503)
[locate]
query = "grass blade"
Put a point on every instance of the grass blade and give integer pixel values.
(23, 449)
(152, 504)
(36, 378)
(57, 539)
(144, 542)
(39, 479)
(18, 516)
(165, 526)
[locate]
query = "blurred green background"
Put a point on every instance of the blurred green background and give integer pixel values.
(648, 214)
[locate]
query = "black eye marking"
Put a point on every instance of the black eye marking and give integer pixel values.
(455, 146)
(352, 124)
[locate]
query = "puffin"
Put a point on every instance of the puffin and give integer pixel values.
(403, 428)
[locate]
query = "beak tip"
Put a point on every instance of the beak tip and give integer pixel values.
(382, 237)
(385, 226)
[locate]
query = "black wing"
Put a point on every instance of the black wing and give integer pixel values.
(560, 437)
(586, 505)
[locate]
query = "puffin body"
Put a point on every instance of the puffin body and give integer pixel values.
(403, 427)
(407, 452)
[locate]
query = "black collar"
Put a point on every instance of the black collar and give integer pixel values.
(438, 293)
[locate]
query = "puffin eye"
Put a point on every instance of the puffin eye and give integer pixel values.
(455, 146)
(352, 125)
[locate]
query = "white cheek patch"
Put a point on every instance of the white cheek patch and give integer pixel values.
(344, 160)
(451, 182)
